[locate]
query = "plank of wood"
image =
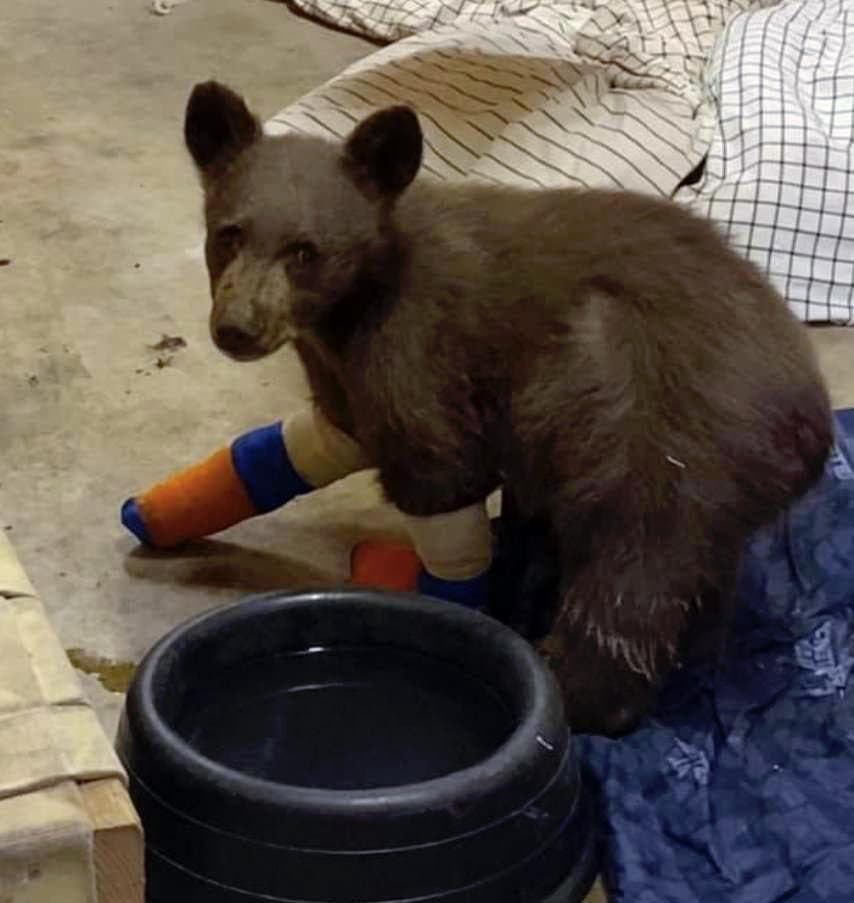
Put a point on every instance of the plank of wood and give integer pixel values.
(13, 581)
(118, 842)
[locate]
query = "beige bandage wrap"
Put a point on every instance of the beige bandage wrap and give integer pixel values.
(454, 546)
(321, 453)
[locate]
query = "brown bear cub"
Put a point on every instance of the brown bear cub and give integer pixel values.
(643, 396)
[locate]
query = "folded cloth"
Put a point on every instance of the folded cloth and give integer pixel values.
(741, 787)
(537, 93)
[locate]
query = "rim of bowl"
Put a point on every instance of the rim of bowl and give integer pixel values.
(541, 704)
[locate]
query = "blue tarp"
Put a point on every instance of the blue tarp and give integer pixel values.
(740, 789)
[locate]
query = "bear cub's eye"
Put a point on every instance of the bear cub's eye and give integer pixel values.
(229, 238)
(301, 253)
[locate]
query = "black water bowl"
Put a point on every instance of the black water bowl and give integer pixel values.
(349, 747)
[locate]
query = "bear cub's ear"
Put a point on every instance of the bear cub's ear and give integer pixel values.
(217, 126)
(383, 153)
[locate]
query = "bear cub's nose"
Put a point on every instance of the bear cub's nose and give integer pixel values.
(236, 343)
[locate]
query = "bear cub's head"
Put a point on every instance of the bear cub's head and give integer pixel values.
(297, 227)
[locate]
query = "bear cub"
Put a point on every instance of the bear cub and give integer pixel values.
(642, 395)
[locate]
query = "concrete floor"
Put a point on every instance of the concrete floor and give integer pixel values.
(100, 217)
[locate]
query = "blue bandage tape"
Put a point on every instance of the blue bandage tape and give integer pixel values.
(471, 593)
(132, 520)
(262, 462)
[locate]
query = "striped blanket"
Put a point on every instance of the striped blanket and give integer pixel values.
(620, 93)
(532, 93)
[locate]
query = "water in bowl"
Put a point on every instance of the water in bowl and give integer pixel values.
(346, 718)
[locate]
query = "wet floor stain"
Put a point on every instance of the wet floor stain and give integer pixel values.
(113, 676)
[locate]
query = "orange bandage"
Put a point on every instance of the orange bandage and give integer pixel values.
(201, 500)
(261, 471)
(385, 565)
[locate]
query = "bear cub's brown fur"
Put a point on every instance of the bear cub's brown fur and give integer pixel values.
(641, 392)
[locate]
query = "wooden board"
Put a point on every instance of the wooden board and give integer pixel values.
(118, 842)
(49, 815)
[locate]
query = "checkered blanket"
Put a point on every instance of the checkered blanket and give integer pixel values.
(620, 93)
(778, 175)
